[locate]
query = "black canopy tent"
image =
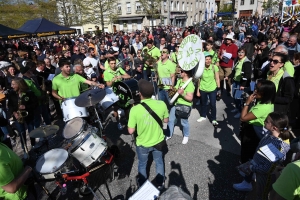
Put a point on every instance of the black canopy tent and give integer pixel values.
(42, 27)
(10, 33)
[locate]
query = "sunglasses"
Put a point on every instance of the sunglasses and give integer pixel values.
(181, 71)
(164, 52)
(275, 61)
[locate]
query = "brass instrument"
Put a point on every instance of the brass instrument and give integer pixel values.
(171, 92)
(22, 113)
(151, 61)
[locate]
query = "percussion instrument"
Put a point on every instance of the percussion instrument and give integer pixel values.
(109, 99)
(74, 128)
(90, 98)
(44, 131)
(71, 110)
(88, 147)
(190, 57)
(128, 92)
(53, 162)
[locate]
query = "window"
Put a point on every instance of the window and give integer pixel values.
(128, 6)
(172, 5)
(182, 6)
(187, 6)
(197, 3)
(242, 2)
(165, 5)
(251, 1)
(191, 6)
(138, 6)
(177, 5)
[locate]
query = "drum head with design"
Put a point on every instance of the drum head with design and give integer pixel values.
(51, 161)
(73, 127)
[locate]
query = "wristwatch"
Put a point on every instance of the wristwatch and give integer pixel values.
(246, 104)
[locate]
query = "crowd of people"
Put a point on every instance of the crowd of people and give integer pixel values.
(255, 62)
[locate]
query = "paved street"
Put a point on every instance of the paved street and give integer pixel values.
(204, 168)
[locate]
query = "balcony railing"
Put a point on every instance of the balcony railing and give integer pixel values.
(139, 11)
(128, 11)
(119, 12)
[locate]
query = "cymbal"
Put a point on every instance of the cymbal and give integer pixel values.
(90, 98)
(44, 131)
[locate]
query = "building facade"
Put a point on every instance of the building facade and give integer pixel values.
(247, 8)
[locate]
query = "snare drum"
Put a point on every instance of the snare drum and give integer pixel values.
(74, 127)
(53, 162)
(109, 99)
(127, 90)
(88, 147)
(70, 110)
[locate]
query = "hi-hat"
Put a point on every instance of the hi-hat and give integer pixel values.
(44, 131)
(90, 98)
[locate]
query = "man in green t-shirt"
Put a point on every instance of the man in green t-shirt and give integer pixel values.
(166, 73)
(151, 56)
(185, 98)
(150, 136)
(112, 75)
(66, 85)
(12, 175)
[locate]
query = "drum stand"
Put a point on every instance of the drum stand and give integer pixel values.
(153, 79)
(98, 121)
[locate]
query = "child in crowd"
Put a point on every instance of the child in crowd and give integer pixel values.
(278, 135)
(88, 70)
(95, 79)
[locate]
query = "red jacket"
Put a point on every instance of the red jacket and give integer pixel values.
(233, 49)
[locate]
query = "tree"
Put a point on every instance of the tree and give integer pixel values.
(270, 5)
(69, 12)
(152, 8)
(15, 14)
(97, 11)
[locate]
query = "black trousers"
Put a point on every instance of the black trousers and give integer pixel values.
(249, 142)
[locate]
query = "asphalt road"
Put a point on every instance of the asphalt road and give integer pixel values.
(204, 168)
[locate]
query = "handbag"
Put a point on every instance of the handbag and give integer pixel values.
(160, 146)
(183, 111)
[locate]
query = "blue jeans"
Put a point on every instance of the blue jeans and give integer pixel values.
(22, 130)
(237, 95)
(164, 96)
(142, 153)
(172, 122)
(212, 97)
(241, 37)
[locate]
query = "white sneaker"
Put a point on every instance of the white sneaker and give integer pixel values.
(243, 186)
(167, 138)
(234, 110)
(201, 119)
(185, 140)
(197, 103)
(238, 115)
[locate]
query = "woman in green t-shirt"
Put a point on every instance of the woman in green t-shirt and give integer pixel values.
(253, 120)
(207, 87)
(241, 76)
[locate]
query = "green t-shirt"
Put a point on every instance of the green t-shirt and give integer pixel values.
(288, 183)
(149, 133)
(33, 88)
(289, 68)
(190, 88)
(261, 111)
(164, 72)
(106, 65)
(208, 80)
(109, 74)
(174, 57)
(276, 79)
(238, 70)
(154, 52)
(11, 166)
(67, 87)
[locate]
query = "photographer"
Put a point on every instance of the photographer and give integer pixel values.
(262, 56)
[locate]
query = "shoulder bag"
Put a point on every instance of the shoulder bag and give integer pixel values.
(160, 146)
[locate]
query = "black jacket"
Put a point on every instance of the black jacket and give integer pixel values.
(246, 73)
(297, 82)
(28, 99)
(284, 94)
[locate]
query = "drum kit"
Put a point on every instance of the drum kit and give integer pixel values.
(84, 149)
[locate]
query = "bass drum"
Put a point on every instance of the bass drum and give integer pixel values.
(128, 92)
(109, 99)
